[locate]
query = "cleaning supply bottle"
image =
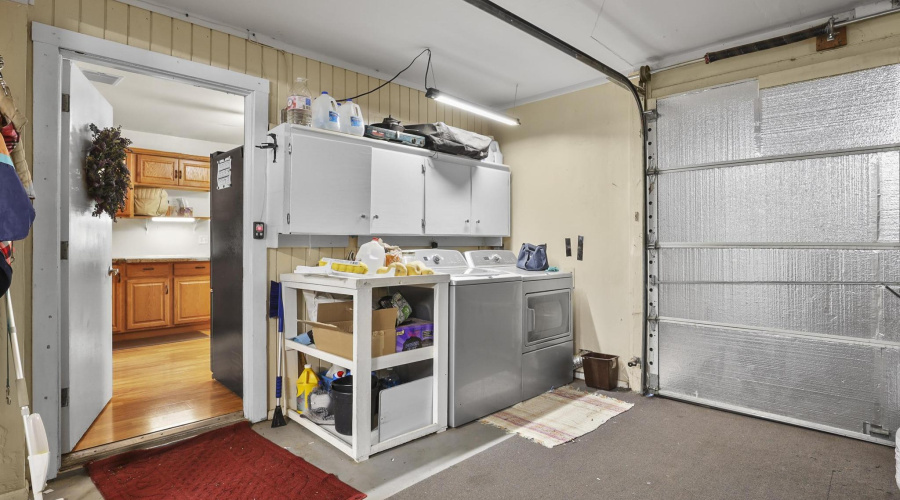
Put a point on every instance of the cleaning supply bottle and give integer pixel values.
(351, 118)
(300, 101)
(306, 384)
(372, 255)
(325, 113)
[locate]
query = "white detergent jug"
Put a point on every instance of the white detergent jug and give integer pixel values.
(325, 113)
(372, 255)
(351, 118)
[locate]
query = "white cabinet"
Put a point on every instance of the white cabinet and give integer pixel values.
(398, 193)
(448, 198)
(490, 201)
(330, 186)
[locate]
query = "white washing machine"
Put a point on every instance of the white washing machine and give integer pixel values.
(547, 332)
(485, 368)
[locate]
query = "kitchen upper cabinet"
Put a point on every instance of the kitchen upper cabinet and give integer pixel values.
(156, 170)
(448, 198)
(193, 173)
(330, 186)
(490, 201)
(149, 302)
(191, 299)
(398, 193)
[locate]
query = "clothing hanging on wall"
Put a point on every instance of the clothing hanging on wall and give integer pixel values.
(12, 123)
(16, 211)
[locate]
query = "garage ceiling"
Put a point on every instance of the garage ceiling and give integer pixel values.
(482, 59)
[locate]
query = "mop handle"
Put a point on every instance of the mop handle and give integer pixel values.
(21, 388)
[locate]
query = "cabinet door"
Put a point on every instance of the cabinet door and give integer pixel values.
(156, 170)
(118, 300)
(194, 174)
(149, 304)
(191, 299)
(128, 211)
(398, 193)
(330, 186)
(490, 201)
(448, 198)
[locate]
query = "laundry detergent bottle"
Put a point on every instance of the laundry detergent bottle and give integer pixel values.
(351, 118)
(325, 113)
(306, 384)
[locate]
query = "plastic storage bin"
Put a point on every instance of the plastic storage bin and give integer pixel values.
(601, 371)
(342, 397)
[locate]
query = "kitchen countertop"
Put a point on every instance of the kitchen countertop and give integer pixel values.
(140, 260)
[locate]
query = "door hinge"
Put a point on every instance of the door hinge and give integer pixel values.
(423, 168)
(64, 398)
(64, 250)
(290, 148)
(65, 103)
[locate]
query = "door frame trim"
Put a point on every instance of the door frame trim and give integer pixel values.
(51, 45)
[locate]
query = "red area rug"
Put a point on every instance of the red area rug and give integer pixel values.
(231, 462)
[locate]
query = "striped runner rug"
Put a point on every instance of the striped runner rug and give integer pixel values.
(558, 416)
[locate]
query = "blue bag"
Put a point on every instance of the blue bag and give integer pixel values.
(533, 257)
(16, 211)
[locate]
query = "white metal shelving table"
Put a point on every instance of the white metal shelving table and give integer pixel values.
(364, 442)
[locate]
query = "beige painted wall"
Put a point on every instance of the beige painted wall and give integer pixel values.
(575, 164)
(138, 27)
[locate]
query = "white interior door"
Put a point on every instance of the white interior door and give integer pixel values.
(448, 198)
(398, 192)
(490, 201)
(86, 285)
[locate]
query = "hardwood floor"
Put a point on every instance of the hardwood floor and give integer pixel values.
(159, 387)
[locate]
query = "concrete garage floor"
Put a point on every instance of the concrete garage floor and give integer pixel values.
(659, 449)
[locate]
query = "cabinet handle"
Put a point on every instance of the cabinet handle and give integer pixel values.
(167, 289)
(467, 221)
(362, 216)
(374, 216)
(199, 267)
(149, 268)
(478, 221)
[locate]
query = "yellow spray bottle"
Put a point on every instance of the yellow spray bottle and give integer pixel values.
(306, 384)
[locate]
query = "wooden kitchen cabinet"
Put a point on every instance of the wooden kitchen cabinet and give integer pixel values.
(170, 170)
(148, 303)
(191, 299)
(194, 173)
(118, 299)
(156, 170)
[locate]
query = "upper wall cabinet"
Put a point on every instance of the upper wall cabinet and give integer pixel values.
(325, 183)
(169, 170)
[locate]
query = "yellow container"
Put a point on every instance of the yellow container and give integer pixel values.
(306, 384)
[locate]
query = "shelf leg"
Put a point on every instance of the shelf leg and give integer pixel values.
(362, 388)
(441, 357)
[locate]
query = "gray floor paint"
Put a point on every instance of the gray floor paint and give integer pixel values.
(659, 449)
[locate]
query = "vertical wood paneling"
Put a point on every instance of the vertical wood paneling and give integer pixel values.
(313, 70)
(432, 110)
(270, 72)
(339, 83)
(413, 106)
(394, 103)
(439, 113)
(470, 121)
(478, 124)
(423, 107)
(384, 100)
(92, 18)
(285, 80)
(65, 14)
(254, 59)
(237, 54)
(116, 22)
(200, 51)
(161, 33)
(181, 39)
(457, 118)
(219, 49)
(350, 89)
(326, 78)
(42, 12)
(138, 27)
(362, 85)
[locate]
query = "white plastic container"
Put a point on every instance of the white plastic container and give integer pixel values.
(351, 118)
(372, 255)
(299, 104)
(325, 113)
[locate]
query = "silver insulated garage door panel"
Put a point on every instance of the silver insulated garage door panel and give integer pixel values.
(775, 251)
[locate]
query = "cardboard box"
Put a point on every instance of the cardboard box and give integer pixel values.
(333, 332)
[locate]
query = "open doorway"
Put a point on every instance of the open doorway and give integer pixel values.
(160, 258)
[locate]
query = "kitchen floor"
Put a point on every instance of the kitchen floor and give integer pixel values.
(157, 387)
(659, 449)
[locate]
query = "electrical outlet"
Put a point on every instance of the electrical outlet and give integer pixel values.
(204, 240)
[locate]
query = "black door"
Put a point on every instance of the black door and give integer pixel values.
(226, 268)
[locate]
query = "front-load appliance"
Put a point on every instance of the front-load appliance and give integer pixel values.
(485, 341)
(547, 333)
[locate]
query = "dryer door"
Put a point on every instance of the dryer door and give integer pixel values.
(547, 316)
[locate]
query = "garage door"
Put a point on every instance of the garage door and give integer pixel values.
(774, 267)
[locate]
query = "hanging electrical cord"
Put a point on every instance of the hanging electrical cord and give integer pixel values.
(398, 74)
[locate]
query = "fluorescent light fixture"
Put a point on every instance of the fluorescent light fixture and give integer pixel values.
(456, 102)
(173, 219)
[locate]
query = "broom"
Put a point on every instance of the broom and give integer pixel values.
(277, 307)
